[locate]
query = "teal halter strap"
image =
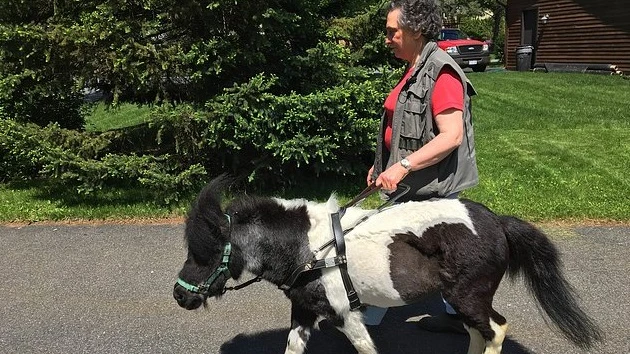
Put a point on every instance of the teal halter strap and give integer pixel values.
(223, 268)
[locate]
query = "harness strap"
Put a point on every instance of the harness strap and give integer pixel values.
(340, 244)
(312, 265)
(340, 260)
(241, 286)
(369, 190)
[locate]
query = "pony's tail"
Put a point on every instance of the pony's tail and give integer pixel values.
(533, 256)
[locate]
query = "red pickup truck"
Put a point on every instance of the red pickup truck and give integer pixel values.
(467, 52)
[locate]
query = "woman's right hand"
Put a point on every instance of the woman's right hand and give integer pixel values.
(369, 175)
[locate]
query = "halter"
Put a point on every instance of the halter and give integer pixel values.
(204, 288)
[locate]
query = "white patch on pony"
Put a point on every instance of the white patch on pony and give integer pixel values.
(476, 344)
(296, 343)
(496, 344)
(357, 334)
(332, 204)
(292, 203)
(367, 245)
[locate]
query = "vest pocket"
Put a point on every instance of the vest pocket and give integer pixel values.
(412, 125)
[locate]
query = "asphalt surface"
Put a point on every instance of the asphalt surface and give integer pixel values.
(108, 289)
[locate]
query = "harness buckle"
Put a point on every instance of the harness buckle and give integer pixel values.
(353, 298)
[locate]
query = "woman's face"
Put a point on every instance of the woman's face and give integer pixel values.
(400, 40)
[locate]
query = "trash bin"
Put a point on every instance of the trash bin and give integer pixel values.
(524, 57)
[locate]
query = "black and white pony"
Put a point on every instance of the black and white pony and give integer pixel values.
(395, 257)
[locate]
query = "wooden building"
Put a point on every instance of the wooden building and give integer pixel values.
(568, 34)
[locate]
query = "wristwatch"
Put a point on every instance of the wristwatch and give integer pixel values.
(406, 164)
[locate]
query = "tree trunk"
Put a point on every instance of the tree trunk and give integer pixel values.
(498, 15)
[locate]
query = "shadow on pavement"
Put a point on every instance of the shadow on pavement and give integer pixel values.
(392, 336)
(388, 341)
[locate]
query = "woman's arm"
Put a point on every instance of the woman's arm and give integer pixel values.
(450, 124)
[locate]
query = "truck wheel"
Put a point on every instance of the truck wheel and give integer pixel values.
(479, 68)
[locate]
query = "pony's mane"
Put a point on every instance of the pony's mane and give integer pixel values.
(206, 220)
(330, 206)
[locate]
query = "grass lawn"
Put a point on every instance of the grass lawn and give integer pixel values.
(103, 118)
(550, 147)
(37, 201)
(553, 146)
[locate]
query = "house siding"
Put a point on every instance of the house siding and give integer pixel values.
(577, 32)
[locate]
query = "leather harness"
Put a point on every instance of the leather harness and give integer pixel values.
(340, 260)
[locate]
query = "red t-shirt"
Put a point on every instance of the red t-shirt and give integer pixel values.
(447, 93)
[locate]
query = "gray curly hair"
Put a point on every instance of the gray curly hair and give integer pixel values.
(419, 16)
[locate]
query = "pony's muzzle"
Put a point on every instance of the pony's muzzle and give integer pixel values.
(186, 299)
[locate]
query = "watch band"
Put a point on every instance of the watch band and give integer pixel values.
(406, 164)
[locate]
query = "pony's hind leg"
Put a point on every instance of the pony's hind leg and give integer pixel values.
(355, 331)
(479, 345)
(486, 327)
(302, 321)
(494, 346)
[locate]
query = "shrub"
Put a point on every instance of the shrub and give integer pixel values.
(249, 131)
(160, 175)
(276, 139)
(21, 150)
(27, 97)
(84, 162)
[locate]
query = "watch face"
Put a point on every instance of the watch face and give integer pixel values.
(405, 163)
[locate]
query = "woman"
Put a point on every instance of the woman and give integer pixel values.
(426, 137)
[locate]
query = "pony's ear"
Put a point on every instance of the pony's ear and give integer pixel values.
(210, 196)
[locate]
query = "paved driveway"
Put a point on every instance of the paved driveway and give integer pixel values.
(107, 289)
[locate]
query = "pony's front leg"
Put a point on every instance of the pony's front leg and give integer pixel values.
(302, 322)
(355, 331)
